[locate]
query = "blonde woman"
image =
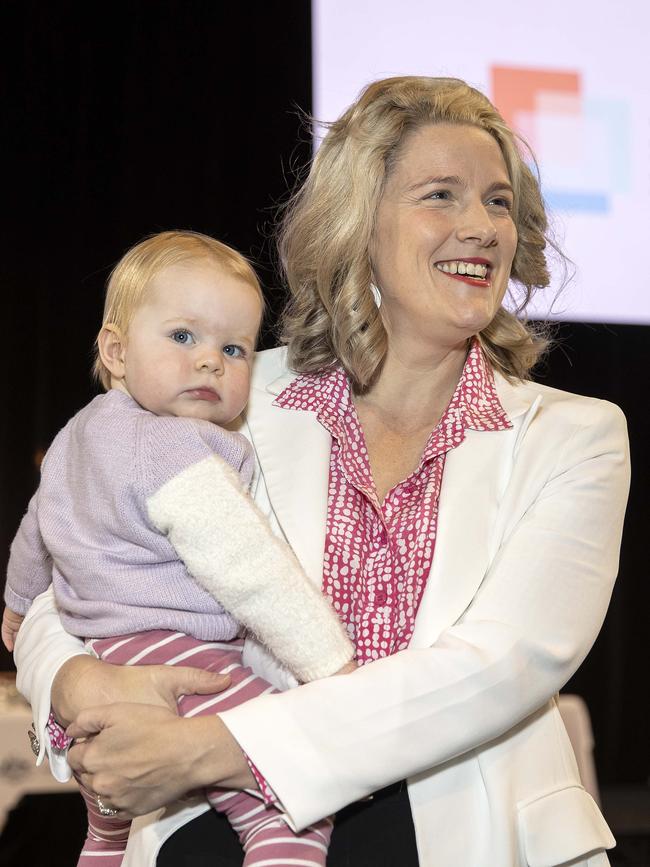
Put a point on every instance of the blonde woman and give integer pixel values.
(464, 521)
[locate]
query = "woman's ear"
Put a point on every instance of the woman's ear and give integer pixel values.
(111, 345)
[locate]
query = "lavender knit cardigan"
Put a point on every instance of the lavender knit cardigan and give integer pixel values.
(143, 522)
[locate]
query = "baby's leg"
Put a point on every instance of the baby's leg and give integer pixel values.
(266, 837)
(262, 831)
(106, 838)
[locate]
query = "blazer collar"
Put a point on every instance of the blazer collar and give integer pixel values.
(277, 386)
(473, 483)
(293, 451)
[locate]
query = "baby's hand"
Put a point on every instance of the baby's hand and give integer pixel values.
(10, 626)
(347, 668)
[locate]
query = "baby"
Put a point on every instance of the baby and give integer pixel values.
(143, 525)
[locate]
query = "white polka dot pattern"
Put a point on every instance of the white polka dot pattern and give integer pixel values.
(378, 555)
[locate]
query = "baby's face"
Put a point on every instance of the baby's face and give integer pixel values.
(190, 345)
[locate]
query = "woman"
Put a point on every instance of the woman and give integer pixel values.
(465, 523)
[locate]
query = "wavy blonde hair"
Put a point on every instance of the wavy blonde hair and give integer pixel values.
(327, 226)
(129, 280)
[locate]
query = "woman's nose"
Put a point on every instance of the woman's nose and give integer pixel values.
(477, 226)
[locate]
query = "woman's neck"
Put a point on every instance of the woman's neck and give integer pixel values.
(399, 412)
(412, 391)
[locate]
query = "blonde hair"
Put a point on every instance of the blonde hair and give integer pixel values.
(128, 283)
(326, 230)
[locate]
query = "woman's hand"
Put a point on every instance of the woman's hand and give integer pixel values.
(139, 757)
(84, 682)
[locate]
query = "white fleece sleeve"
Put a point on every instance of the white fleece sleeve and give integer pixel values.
(229, 548)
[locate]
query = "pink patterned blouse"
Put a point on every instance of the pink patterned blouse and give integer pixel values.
(378, 555)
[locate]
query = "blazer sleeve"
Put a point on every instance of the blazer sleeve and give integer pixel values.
(529, 626)
(42, 647)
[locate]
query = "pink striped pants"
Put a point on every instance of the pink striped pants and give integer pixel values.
(264, 834)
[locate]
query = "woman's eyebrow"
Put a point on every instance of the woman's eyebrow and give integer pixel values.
(451, 180)
(455, 180)
(500, 185)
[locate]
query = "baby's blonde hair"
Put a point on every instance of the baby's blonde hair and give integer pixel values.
(129, 280)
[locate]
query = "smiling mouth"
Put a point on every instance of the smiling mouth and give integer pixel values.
(476, 273)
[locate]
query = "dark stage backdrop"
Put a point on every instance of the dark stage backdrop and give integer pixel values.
(127, 120)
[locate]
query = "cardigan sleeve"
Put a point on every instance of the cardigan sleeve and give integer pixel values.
(29, 571)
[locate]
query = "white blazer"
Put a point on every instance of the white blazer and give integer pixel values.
(526, 555)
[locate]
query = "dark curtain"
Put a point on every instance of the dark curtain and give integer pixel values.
(611, 362)
(121, 120)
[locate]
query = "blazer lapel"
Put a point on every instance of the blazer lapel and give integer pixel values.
(293, 450)
(475, 476)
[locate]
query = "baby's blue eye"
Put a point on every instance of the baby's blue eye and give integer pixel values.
(234, 351)
(182, 336)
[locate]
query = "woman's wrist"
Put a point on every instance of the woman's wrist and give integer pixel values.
(216, 757)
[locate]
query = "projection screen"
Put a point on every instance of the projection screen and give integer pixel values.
(572, 78)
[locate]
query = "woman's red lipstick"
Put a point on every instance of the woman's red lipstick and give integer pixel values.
(472, 279)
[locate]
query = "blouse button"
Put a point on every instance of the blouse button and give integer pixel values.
(381, 598)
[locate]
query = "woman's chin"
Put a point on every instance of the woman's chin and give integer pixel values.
(468, 323)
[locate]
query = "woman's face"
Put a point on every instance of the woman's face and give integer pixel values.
(444, 238)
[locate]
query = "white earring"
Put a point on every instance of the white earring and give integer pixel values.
(376, 294)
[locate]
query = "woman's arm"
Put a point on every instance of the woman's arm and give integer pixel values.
(43, 647)
(55, 673)
(536, 615)
(532, 622)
